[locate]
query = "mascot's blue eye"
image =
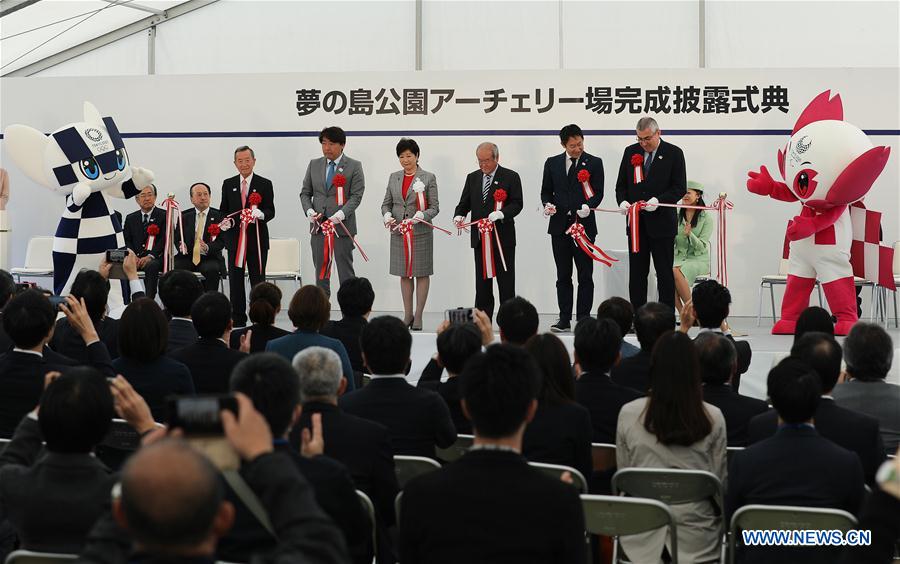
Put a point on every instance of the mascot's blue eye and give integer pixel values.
(121, 159)
(90, 169)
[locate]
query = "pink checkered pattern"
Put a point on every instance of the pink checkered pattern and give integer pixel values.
(870, 259)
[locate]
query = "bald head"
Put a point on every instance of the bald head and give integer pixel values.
(173, 512)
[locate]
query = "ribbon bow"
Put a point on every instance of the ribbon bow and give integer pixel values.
(329, 232)
(172, 208)
(576, 231)
(246, 218)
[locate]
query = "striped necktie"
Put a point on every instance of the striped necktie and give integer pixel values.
(487, 187)
(647, 162)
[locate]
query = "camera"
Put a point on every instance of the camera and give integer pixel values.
(115, 257)
(199, 415)
(460, 315)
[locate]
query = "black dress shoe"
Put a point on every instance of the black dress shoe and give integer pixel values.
(561, 326)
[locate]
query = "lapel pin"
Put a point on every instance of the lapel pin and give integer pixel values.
(660, 157)
(495, 182)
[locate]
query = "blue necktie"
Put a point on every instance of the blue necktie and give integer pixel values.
(330, 174)
(647, 162)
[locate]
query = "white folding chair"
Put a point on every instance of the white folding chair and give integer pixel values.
(457, 449)
(557, 470)
(369, 508)
(283, 261)
(408, 467)
(32, 557)
(613, 516)
(603, 456)
(772, 280)
(38, 259)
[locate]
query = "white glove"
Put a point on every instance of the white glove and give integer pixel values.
(226, 224)
(257, 214)
(312, 215)
(495, 216)
(388, 218)
(141, 177)
(458, 220)
(337, 217)
(584, 211)
(80, 193)
(549, 209)
(651, 204)
(419, 215)
(624, 206)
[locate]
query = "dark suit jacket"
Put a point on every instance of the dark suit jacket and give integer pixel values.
(470, 201)
(796, 466)
(348, 331)
(744, 353)
(51, 501)
(334, 493)
(666, 181)
(417, 420)
(738, 410)
(156, 381)
(603, 399)
(291, 344)
(449, 392)
(181, 334)
(633, 372)
(231, 202)
(848, 429)
(881, 515)
(22, 379)
(189, 226)
(261, 335)
(68, 342)
(430, 378)
(490, 506)
(560, 434)
(210, 362)
(5, 342)
(136, 234)
(567, 194)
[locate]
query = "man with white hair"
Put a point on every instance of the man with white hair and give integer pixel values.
(363, 446)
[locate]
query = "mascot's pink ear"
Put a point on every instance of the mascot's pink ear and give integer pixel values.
(821, 108)
(856, 180)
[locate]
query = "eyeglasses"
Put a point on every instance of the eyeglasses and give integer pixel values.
(648, 138)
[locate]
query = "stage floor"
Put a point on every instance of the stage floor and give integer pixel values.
(766, 347)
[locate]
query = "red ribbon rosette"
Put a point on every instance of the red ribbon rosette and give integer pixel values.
(584, 178)
(255, 199)
(213, 230)
(637, 161)
(340, 181)
(576, 231)
(499, 198)
(152, 232)
(328, 231)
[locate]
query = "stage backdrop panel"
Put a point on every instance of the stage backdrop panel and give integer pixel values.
(185, 129)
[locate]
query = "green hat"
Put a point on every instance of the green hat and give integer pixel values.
(695, 186)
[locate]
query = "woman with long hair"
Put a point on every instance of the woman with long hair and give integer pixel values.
(265, 305)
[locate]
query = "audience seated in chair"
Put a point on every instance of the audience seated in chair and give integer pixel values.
(674, 428)
(178, 290)
(355, 298)
(456, 343)
(796, 465)
(718, 367)
(271, 383)
(94, 289)
(363, 446)
(7, 291)
(309, 311)
(178, 517)
(560, 432)
(265, 305)
(143, 334)
(881, 515)
(621, 312)
(209, 360)
(853, 431)
(490, 505)
(417, 420)
(430, 379)
(650, 321)
(518, 321)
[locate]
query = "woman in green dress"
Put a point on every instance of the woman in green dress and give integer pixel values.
(691, 244)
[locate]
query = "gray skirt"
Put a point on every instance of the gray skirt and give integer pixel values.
(423, 253)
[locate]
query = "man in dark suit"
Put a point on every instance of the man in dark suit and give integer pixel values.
(479, 196)
(236, 196)
(567, 200)
(363, 446)
(795, 466)
(135, 232)
(853, 431)
(210, 359)
(271, 383)
(205, 257)
(660, 178)
(178, 290)
(455, 345)
(355, 298)
(490, 505)
(7, 291)
(417, 420)
(651, 320)
(718, 365)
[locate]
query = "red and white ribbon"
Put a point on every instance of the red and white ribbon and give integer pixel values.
(406, 231)
(633, 215)
(419, 188)
(328, 232)
(485, 228)
(576, 231)
(584, 178)
(499, 198)
(339, 181)
(637, 161)
(246, 218)
(152, 232)
(172, 215)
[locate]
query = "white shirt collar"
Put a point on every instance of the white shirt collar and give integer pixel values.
(385, 376)
(189, 320)
(198, 211)
(337, 161)
(249, 179)
(36, 353)
(493, 172)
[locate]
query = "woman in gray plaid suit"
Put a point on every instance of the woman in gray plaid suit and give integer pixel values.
(412, 195)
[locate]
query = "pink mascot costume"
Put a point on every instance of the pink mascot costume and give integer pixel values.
(828, 165)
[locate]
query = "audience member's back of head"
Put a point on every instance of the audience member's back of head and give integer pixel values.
(265, 299)
(717, 357)
(619, 310)
(28, 318)
(94, 288)
(211, 314)
(309, 309)
(652, 320)
(456, 344)
(271, 383)
(165, 511)
(498, 387)
(518, 320)
(76, 411)
(557, 378)
(178, 290)
(869, 352)
(7, 287)
(597, 343)
(386, 345)
(675, 412)
(794, 390)
(320, 373)
(355, 297)
(814, 318)
(823, 354)
(143, 331)
(711, 301)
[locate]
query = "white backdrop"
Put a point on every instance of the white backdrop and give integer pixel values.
(185, 128)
